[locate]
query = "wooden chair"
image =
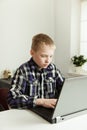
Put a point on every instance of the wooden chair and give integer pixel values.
(3, 99)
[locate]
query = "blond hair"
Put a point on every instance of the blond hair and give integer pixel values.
(41, 39)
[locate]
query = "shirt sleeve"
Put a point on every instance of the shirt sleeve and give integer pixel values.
(17, 96)
(59, 83)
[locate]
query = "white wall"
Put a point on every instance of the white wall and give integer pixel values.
(67, 32)
(75, 30)
(19, 21)
(63, 15)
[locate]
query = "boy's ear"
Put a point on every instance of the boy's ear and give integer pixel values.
(31, 52)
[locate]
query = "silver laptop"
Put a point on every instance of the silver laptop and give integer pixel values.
(72, 101)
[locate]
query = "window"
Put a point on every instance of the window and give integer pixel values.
(83, 32)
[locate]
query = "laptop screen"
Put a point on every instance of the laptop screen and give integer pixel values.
(72, 97)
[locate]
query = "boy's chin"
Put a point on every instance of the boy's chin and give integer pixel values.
(45, 66)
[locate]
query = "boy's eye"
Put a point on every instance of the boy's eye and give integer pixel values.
(46, 56)
(43, 56)
(51, 56)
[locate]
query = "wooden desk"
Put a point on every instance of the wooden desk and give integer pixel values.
(26, 120)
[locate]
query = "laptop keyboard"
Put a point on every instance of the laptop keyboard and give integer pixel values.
(44, 112)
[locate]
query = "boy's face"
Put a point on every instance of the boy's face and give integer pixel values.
(43, 56)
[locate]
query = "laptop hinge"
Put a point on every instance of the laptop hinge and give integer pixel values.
(68, 116)
(58, 119)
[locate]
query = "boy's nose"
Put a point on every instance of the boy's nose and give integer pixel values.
(47, 60)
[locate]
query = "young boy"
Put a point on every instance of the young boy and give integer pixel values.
(38, 81)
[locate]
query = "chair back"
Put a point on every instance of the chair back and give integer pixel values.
(3, 98)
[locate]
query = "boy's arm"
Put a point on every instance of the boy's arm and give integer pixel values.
(17, 96)
(59, 83)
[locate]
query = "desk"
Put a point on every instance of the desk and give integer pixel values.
(26, 120)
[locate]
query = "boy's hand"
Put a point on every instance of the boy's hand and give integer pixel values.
(48, 103)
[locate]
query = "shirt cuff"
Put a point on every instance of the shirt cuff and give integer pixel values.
(34, 101)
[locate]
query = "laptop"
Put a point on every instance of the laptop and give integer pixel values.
(71, 102)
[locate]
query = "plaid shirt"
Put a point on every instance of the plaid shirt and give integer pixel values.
(29, 83)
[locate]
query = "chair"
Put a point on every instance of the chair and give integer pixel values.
(3, 99)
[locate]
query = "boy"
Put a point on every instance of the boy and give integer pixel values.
(38, 81)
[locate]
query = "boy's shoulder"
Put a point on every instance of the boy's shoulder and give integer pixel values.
(24, 64)
(28, 64)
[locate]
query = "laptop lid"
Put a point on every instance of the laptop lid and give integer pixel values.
(72, 98)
